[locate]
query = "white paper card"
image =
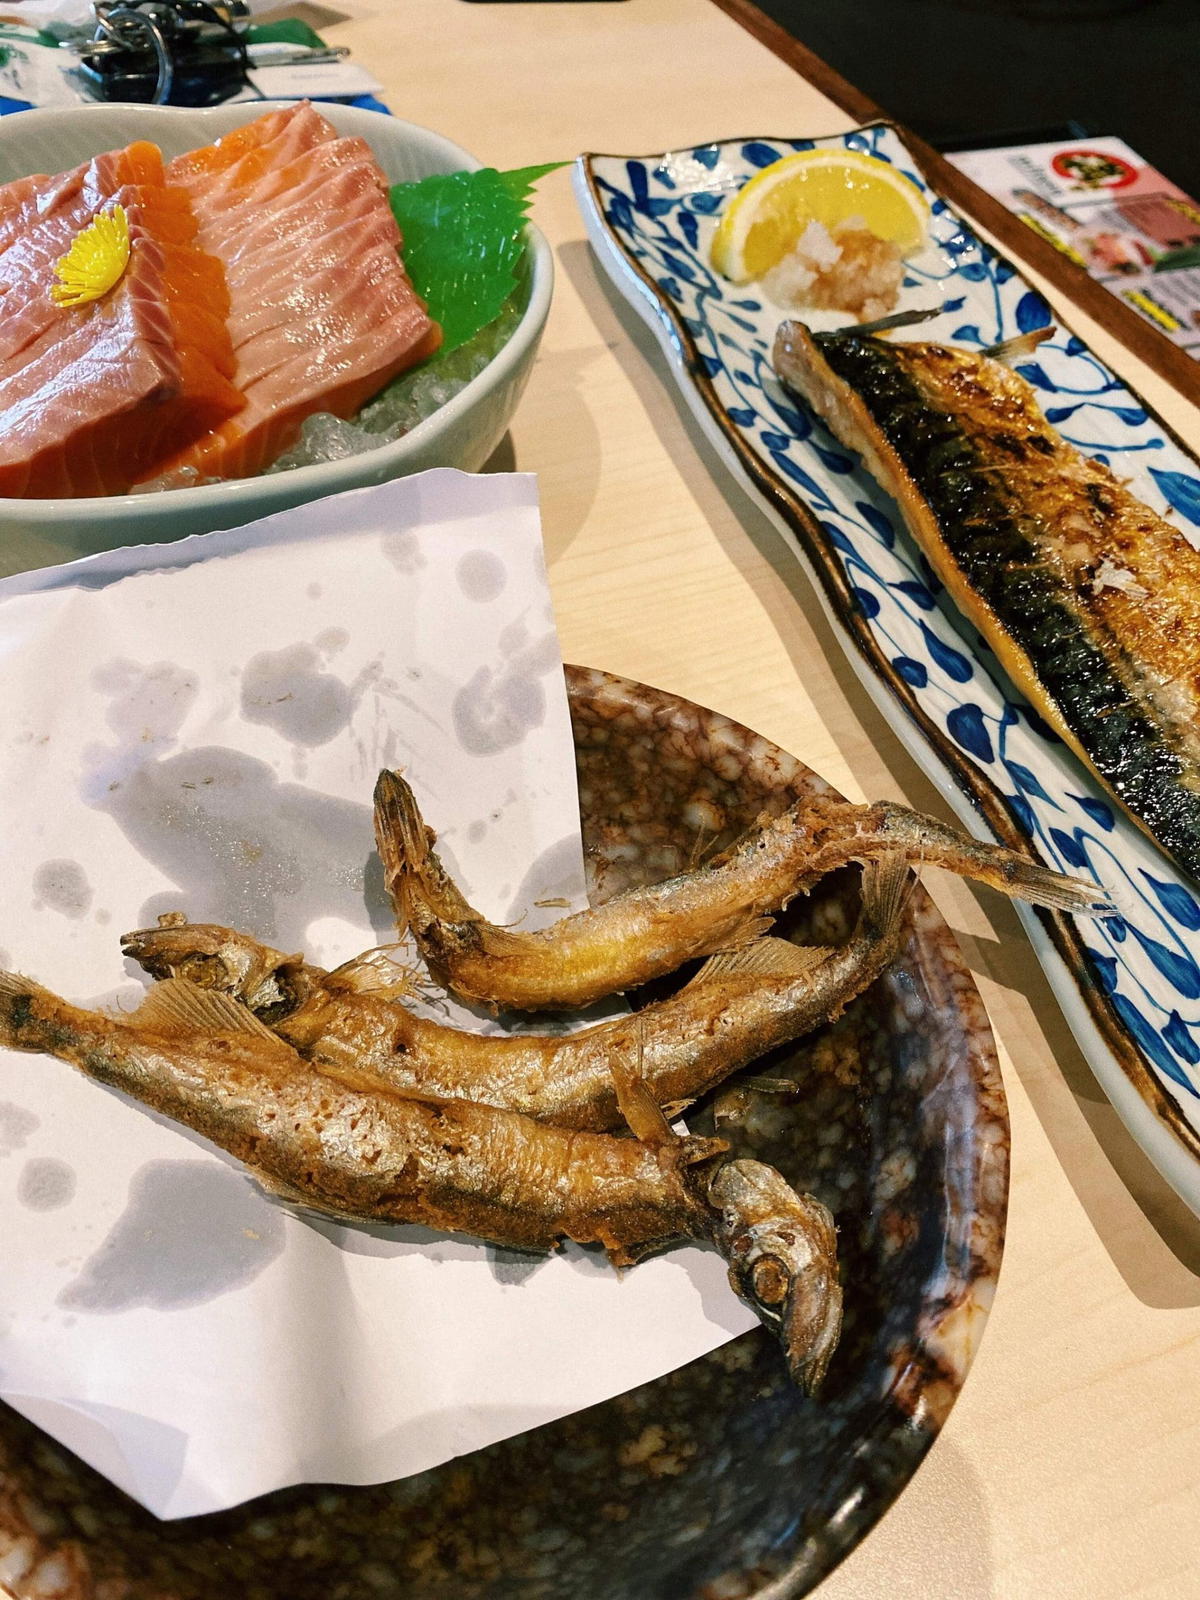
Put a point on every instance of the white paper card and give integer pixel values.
(315, 80)
(199, 726)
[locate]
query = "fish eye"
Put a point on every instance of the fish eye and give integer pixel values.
(770, 1280)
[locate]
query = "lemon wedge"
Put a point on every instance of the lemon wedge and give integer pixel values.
(767, 215)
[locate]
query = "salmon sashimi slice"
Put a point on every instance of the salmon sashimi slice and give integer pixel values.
(327, 264)
(87, 399)
(301, 130)
(284, 182)
(28, 202)
(306, 338)
(307, 221)
(92, 396)
(201, 167)
(40, 218)
(27, 267)
(293, 380)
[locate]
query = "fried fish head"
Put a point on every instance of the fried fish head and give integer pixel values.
(782, 1253)
(219, 958)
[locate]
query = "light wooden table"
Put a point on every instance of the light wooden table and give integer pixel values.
(1070, 1467)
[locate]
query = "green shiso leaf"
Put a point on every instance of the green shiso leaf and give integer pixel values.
(522, 181)
(463, 237)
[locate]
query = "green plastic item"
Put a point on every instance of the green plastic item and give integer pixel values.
(463, 238)
(290, 30)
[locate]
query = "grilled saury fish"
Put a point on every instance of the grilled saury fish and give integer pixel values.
(1090, 600)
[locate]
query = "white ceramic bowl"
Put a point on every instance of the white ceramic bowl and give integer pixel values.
(462, 433)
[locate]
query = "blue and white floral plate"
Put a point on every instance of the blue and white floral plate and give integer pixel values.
(1128, 983)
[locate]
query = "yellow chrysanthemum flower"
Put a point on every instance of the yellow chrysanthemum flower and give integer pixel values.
(97, 258)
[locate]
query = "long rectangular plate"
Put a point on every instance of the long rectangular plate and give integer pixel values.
(1129, 983)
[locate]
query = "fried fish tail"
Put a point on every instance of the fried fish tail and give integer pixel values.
(926, 841)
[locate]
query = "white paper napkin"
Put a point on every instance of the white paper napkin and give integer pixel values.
(199, 726)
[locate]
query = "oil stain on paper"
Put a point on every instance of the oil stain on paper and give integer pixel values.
(403, 550)
(147, 704)
(497, 708)
(481, 575)
(45, 1184)
(190, 1232)
(16, 1125)
(289, 691)
(241, 846)
(247, 850)
(62, 886)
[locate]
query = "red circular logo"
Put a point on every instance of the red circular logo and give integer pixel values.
(1094, 169)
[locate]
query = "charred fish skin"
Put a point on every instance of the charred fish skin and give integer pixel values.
(1023, 529)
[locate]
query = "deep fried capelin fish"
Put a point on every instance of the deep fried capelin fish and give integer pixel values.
(342, 1145)
(740, 1004)
(650, 931)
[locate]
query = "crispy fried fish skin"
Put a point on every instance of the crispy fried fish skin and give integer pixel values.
(740, 1005)
(338, 1143)
(1090, 600)
(342, 1144)
(647, 932)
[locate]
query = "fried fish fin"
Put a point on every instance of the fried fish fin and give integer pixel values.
(637, 1105)
(178, 1007)
(763, 957)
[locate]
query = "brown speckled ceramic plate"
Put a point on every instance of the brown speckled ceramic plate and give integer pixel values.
(720, 1480)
